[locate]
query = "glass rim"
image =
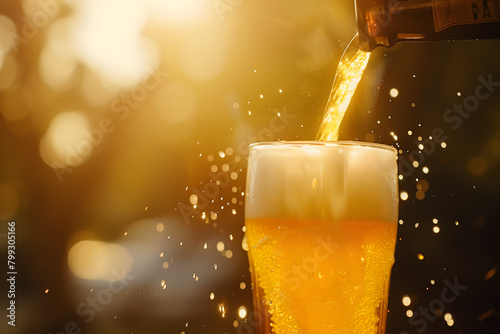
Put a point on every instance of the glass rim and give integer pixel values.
(341, 143)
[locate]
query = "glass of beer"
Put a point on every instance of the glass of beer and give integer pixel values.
(321, 224)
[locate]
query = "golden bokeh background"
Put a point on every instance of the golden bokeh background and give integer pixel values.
(124, 128)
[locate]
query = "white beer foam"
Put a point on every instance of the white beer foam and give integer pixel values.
(320, 180)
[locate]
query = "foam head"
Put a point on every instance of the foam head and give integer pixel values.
(322, 180)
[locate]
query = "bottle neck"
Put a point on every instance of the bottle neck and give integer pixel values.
(386, 22)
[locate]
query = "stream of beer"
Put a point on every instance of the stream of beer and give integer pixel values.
(349, 72)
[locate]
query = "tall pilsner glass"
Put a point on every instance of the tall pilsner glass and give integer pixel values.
(321, 223)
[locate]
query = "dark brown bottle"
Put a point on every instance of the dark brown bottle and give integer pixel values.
(386, 22)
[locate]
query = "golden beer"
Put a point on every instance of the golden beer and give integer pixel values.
(321, 223)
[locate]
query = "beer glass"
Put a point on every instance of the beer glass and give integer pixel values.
(321, 223)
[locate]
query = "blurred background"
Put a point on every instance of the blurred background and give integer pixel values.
(123, 138)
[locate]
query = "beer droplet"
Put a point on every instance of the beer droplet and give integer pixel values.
(220, 246)
(394, 92)
(403, 195)
(242, 312)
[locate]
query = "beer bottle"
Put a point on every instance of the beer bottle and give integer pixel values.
(386, 22)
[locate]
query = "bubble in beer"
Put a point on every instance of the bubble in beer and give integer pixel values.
(160, 227)
(212, 296)
(163, 284)
(409, 313)
(222, 154)
(435, 229)
(425, 170)
(394, 92)
(420, 256)
(213, 215)
(406, 300)
(210, 158)
(243, 285)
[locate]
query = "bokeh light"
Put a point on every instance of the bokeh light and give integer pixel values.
(110, 40)
(179, 12)
(175, 102)
(204, 55)
(68, 140)
(7, 30)
(96, 260)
